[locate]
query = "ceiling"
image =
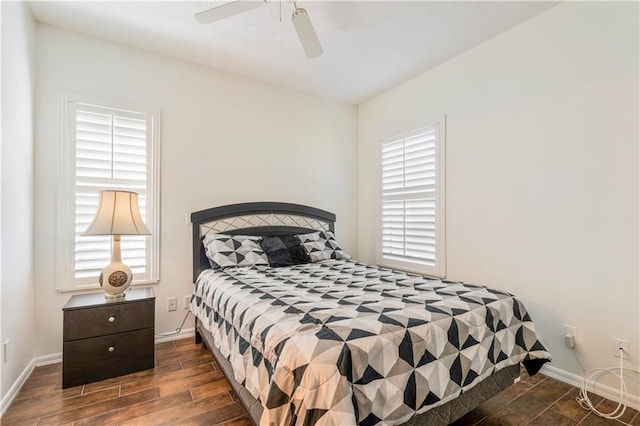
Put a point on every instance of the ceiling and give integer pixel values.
(369, 46)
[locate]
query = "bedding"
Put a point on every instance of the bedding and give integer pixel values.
(284, 250)
(342, 342)
(322, 245)
(224, 251)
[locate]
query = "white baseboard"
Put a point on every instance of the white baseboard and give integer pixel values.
(47, 359)
(167, 337)
(57, 357)
(15, 388)
(605, 391)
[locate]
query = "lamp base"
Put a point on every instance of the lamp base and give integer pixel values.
(115, 279)
(114, 296)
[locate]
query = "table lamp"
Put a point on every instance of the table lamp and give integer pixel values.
(118, 214)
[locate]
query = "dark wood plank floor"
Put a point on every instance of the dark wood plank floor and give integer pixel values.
(187, 388)
(542, 401)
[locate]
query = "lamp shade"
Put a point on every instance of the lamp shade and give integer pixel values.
(118, 214)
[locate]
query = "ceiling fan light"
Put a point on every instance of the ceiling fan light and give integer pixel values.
(306, 33)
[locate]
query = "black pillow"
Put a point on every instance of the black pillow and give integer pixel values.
(284, 250)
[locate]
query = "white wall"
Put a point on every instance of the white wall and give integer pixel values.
(16, 309)
(542, 171)
(225, 139)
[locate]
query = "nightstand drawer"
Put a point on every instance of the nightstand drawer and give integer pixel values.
(100, 321)
(99, 358)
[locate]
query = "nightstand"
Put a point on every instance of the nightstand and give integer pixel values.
(105, 338)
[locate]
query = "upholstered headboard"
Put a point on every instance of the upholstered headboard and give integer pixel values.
(260, 218)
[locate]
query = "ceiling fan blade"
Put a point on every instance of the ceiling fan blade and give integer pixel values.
(306, 33)
(227, 10)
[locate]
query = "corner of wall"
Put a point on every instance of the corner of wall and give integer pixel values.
(16, 194)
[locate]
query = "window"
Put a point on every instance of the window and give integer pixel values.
(106, 148)
(412, 201)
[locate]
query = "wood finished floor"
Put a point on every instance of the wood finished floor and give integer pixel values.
(187, 388)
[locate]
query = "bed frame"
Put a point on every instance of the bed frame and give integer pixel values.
(273, 218)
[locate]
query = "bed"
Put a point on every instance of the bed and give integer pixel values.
(333, 341)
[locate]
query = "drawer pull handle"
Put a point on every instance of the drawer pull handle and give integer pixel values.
(112, 319)
(112, 348)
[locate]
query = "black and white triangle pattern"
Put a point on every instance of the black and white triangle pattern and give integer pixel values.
(342, 342)
(322, 245)
(225, 251)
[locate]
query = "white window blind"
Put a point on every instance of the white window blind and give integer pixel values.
(108, 148)
(412, 201)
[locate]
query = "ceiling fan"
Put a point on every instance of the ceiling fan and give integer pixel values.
(299, 18)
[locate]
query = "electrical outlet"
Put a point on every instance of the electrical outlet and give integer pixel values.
(620, 344)
(172, 304)
(5, 351)
(570, 330)
(186, 301)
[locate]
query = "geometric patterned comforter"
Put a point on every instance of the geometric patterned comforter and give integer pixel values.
(340, 342)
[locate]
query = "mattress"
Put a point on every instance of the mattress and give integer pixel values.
(342, 342)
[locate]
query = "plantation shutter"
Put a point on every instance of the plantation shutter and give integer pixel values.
(409, 199)
(111, 152)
